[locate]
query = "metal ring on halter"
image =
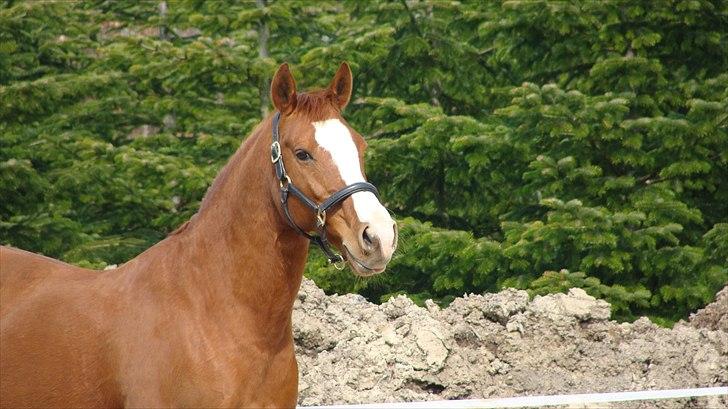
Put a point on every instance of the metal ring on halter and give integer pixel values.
(340, 264)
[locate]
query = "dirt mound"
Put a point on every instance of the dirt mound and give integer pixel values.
(715, 315)
(494, 345)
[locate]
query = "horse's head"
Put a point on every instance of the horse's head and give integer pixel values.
(322, 156)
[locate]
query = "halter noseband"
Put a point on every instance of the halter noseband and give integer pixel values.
(286, 186)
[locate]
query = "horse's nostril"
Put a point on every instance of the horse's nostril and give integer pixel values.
(367, 239)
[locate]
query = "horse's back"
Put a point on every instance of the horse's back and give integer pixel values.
(23, 272)
(51, 339)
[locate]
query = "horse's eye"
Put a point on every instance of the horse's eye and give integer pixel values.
(303, 155)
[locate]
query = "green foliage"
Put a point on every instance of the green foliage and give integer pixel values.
(540, 144)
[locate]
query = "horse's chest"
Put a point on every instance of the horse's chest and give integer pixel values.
(226, 371)
(193, 360)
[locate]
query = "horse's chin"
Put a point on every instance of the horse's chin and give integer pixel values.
(360, 267)
(365, 273)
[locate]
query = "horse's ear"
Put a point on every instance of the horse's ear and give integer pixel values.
(283, 90)
(340, 88)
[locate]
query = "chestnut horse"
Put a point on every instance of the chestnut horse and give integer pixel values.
(202, 318)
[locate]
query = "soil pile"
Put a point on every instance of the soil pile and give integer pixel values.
(715, 315)
(498, 345)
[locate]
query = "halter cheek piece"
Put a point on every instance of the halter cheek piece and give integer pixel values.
(287, 187)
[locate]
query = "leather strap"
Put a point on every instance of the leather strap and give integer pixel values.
(342, 194)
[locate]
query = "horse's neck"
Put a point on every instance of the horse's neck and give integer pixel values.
(238, 249)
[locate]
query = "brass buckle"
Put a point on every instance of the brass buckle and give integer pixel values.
(275, 152)
(286, 179)
(320, 218)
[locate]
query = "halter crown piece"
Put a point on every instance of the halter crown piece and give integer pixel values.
(287, 187)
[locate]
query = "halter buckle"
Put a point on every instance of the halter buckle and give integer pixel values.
(285, 179)
(275, 152)
(321, 218)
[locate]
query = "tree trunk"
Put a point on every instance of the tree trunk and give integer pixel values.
(263, 36)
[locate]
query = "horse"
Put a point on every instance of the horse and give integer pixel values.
(203, 318)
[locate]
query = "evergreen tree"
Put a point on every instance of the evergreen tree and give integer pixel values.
(540, 144)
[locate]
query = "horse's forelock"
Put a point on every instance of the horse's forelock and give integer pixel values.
(316, 106)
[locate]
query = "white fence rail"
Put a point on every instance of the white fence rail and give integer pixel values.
(537, 401)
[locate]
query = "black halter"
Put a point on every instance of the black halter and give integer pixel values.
(287, 187)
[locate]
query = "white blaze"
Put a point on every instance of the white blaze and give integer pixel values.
(334, 137)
